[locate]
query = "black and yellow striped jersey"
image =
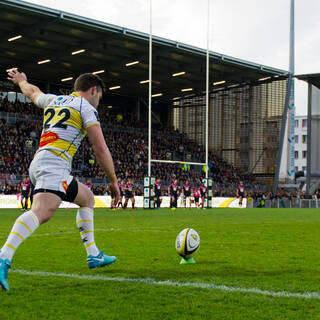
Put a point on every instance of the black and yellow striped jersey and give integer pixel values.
(65, 123)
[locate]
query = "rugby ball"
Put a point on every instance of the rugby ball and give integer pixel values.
(187, 243)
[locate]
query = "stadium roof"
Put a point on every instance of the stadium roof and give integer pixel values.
(313, 78)
(31, 34)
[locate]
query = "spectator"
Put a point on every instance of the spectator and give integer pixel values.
(127, 142)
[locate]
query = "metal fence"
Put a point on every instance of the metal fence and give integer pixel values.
(285, 203)
(11, 118)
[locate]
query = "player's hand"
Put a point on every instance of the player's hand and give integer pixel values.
(15, 76)
(115, 191)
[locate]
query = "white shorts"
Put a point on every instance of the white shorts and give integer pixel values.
(50, 173)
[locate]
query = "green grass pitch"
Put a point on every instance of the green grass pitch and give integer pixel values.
(252, 264)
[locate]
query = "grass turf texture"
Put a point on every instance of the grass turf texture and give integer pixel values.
(270, 249)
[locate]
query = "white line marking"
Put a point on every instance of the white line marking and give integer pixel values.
(170, 283)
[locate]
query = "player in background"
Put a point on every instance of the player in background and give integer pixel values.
(24, 193)
(121, 186)
(31, 190)
(67, 119)
(196, 195)
(89, 185)
(108, 191)
(173, 191)
(203, 193)
(157, 192)
(240, 193)
(186, 191)
(129, 194)
(114, 203)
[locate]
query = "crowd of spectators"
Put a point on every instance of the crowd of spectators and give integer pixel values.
(9, 188)
(17, 147)
(127, 142)
(18, 107)
(130, 153)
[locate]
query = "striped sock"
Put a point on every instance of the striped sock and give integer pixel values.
(24, 226)
(84, 222)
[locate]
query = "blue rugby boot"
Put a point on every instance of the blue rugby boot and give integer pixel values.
(100, 260)
(5, 265)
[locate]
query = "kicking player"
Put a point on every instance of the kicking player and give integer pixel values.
(24, 193)
(173, 191)
(186, 191)
(157, 192)
(129, 194)
(203, 192)
(66, 121)
(240, 193)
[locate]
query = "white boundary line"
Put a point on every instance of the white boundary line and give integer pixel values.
(169, 283)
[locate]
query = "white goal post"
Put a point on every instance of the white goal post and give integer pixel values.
(150, 98)
(148, 192)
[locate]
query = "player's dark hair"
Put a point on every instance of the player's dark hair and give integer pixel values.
(88, 80)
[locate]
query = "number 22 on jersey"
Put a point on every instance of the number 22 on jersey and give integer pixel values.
(56, 118)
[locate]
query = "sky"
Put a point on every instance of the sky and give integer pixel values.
(253, 30)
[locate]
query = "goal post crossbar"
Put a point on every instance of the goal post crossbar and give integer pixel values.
(179, 162)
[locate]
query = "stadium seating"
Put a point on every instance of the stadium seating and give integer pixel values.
(20, 128)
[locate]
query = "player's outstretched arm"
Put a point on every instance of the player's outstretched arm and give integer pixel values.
(29, 90)
(104, 157)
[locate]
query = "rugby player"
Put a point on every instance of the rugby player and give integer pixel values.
(30, 194)
(67, 119)
(240, 193)
(157, 192)
(186, 191)
(89, 185)
(121, 186)
(24, 193)
(203, 192)
(173, 191)
(196, 195)
(129, 194)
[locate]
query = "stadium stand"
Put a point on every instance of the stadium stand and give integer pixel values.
(20, 128)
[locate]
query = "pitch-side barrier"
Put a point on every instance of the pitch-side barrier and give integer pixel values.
(13, 201)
